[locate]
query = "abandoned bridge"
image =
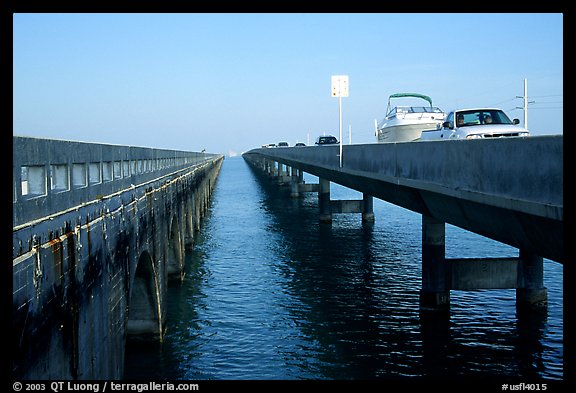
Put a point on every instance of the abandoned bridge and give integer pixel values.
(99, 231)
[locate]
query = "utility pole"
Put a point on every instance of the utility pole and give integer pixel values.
(526, 102)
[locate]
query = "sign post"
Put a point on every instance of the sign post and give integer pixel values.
(340, 89)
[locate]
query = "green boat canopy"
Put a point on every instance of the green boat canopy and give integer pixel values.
(400, 95)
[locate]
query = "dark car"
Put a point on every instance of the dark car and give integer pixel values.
(300, 144)
(326, 140)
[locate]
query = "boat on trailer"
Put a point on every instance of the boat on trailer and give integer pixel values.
(405, 123)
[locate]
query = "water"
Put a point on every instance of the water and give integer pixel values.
(270, 293)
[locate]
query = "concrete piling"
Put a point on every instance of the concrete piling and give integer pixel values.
(530, 293)
(435, 293)
(324, 201)
(367, 208)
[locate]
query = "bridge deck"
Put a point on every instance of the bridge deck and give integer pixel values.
(510, 190)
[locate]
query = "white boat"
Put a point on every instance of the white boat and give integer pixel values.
(405, 123)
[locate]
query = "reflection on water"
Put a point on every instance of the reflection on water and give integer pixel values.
(271, 293)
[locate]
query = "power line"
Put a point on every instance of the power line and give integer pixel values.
(532, 102)
(549, 107)
(552, 95)
(502, 102)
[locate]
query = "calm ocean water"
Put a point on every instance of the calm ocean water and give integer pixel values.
(271, 293)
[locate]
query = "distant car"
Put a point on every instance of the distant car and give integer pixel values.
(326, 140)
(300, 144)
(283, 144)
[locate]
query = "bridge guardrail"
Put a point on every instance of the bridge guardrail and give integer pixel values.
(53, 175)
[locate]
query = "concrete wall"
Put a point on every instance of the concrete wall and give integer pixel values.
(93, 271)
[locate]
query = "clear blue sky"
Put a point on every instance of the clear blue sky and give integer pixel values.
(232, 82)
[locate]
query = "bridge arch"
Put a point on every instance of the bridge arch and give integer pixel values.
(189, 223)
(144, 309)
(197, 209)
(174, 261)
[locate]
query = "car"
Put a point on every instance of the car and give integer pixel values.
(476, 123)
(283, 144)
(326, 140)
(300, 144)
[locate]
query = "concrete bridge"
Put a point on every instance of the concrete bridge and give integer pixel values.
(98, 233)
(510, 190)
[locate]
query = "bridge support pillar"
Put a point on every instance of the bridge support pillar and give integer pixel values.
(279, 173)
(283, 175)
(324, 201)
(435, 292)
(367, 208)
(531, 295)
(295, 180)
(268, 167)
(294, 189)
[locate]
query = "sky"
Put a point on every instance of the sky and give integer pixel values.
(228, 83)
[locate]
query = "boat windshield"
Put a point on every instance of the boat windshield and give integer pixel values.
(483, 116)
(413, 109)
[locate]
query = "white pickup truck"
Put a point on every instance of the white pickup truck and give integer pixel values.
(477, 123)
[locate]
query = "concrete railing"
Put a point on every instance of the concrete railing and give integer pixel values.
(54, 175)
(523, 173)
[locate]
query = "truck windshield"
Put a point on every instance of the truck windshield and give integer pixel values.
(483, 116)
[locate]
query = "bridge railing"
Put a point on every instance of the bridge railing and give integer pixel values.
(53, 175)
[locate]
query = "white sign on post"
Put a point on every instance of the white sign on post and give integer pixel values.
(340, 89)
(339, 85)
